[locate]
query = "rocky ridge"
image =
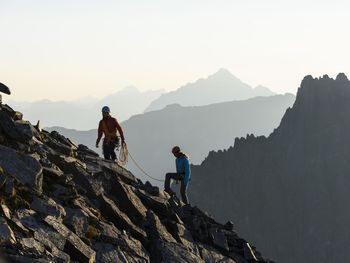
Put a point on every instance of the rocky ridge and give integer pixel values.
(61, 202)
(289, 192)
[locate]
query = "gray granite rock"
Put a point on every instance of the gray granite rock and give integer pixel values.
(6, 234)
(107, 253)
(74, 246)
(211, 255)
(4, 89)
(77, 220)
(31, 246)
(163, 251)
(48, 207)
(111, 211)
(24, 168)
(128, 201)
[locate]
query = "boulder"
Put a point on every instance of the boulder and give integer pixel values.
(30, 220)
(63, 140)
(23, 168)
(211, 255)
(60, 147)
(150, 189)
(183, 236)
(84, 179)
(83, 204)
(229, 226)
(84, 150)
(57, 254)
(108, 253)
(128, 200)
(52, 172)
(117, 170)
(157, 230)
(6, 234)
(32, 247)
(158, 204)
(110, 234)
(48, 207)
(219, 239)
(25, 259)
(163, 251)
(8, 127)
(74, 246)
(4, 89)
(111, 211)
(26, 129)
(77, 221)
(14, 222)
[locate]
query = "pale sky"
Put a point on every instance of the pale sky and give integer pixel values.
(66, 49)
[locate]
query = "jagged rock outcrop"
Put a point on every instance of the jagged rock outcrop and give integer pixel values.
(289, 193)
(60, 202)
(4, 89)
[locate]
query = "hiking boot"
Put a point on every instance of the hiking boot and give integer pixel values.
(170, 192)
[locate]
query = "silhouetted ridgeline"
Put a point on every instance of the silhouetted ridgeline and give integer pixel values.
(290, 192)
(62, 203)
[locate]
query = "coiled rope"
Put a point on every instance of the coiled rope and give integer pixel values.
(123, 159)
(123, 154)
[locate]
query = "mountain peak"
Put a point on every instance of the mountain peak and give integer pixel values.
(222, 73)
(342, 77)
(322, 89)
(324, 81)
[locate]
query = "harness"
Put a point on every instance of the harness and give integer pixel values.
(109, 136)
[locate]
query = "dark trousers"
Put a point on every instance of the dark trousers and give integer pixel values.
(109, 151)
(183, 188)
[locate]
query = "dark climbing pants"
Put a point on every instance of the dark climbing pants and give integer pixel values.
(109, 151)
(183, 189)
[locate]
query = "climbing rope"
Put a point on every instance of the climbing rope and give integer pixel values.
(143, 171)
(123, 154)
(123, 159)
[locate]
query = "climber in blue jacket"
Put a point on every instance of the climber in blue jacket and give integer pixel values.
(183, 173)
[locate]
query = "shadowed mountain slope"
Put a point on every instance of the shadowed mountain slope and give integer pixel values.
(290, 192)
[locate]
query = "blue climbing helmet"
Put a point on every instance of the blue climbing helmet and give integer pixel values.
(106, 109)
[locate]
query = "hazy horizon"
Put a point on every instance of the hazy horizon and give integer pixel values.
(70, 49)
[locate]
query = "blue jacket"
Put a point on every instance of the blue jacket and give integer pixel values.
(183, 167)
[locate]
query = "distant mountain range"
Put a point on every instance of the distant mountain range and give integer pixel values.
(219, 87)
(290, 192)
(197, 130)
(84, 114)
